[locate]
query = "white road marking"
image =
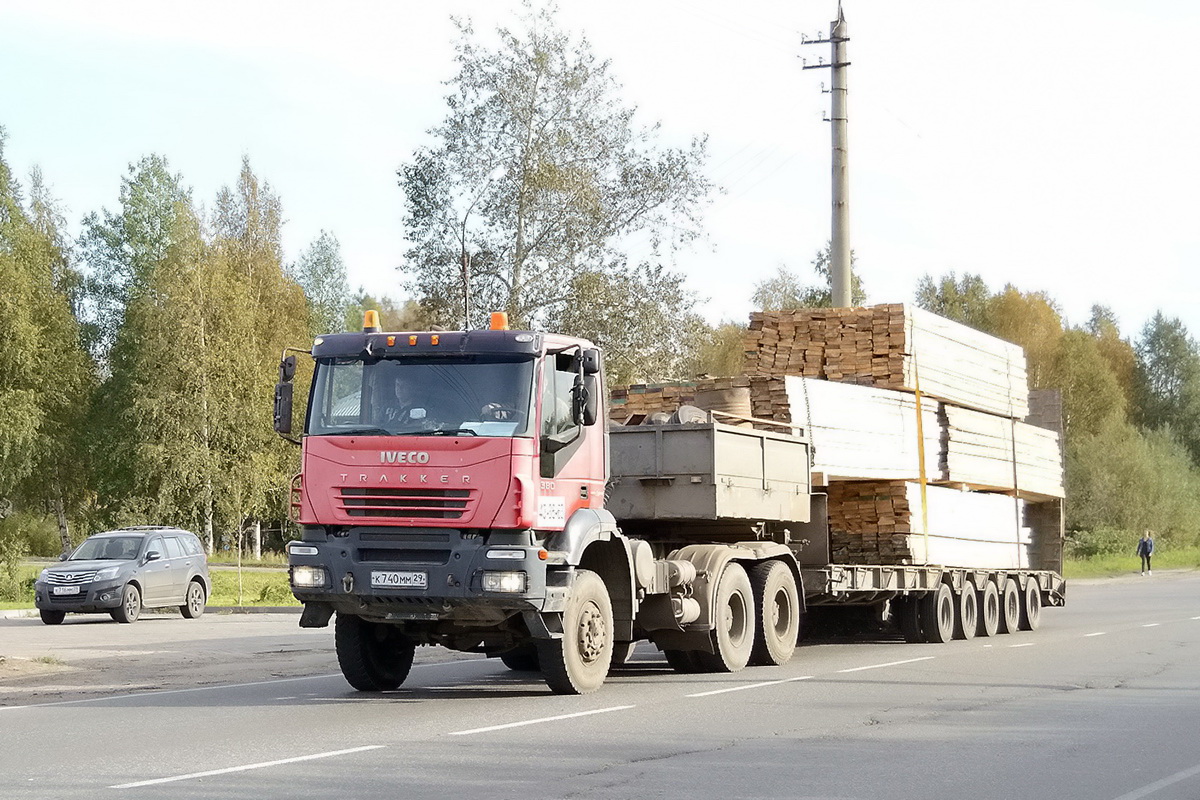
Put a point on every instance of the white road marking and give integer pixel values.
(245, 767)
(1151, 788)
(1152, 625)
(889, 664)
(216, 686)
(1097, 633)
(1023, 644)
(749, 686)
(539, 720)
(1195, 617)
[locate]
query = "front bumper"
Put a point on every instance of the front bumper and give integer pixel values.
(453, 566)
(92, 597)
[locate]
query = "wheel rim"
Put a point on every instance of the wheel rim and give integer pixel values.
(592, 633)
(735, 618)
(780, 614)
(195, 599)
(131, 602)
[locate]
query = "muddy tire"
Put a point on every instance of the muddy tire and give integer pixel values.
(521, 659)
(131, 605)
(966, 616)
(373, 657)
(1031, 606)
(578, 662)
(777, 610)
(937, 615)
(989, 610)
(194, 601)
(1010, 607)
(733, 615)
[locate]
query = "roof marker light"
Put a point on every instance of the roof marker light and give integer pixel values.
(499, 321)
(371, 321)
(412, 341)
(435, 339)
(391, 341)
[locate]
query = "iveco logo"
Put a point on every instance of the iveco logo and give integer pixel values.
(403, 457)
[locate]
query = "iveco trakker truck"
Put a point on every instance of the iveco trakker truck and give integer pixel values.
(464, 489)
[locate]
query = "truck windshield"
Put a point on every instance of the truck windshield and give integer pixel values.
(461, 395)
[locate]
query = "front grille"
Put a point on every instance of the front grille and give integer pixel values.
(405, 503)
(68, 598)
(423, 557)
(70, 578)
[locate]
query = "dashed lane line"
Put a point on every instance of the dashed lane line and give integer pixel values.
(1151, 788)
(1097, 633)
(1151, 624)
(750, 686)
(245, 767)
(1023, 644)
(888, 664)
(540, 720)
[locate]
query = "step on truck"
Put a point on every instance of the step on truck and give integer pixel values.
(463, 489)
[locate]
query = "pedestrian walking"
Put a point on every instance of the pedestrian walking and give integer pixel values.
(1145, 547)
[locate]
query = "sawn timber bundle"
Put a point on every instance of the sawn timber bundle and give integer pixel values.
(891, 346)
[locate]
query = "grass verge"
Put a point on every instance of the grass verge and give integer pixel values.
(1106, 566)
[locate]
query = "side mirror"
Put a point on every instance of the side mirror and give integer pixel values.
(590, 361)
(283, 407)
(585, 401)
(153, 555)
(287, 368)
(64, 556)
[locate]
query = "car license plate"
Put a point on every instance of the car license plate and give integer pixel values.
(399, 580)
(64, 590)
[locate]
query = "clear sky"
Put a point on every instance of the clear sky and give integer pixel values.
(1051, 144)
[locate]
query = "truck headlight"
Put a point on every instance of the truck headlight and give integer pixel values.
(106, 573)
(504, 582)
(310, 577)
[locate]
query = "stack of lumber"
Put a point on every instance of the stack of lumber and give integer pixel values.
(978, 450)
(857, 432)
(643, 399)
(880, 522)
(891, 346)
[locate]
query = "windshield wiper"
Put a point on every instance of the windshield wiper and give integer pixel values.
(360, 432)
(440, 432)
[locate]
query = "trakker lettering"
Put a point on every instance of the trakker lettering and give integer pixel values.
(403, 457)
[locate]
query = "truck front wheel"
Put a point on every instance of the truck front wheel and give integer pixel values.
(373, 657)
(578, 662)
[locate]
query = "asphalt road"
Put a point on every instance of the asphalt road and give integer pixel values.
(1102, 703)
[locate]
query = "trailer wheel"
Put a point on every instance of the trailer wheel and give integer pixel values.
(523, 658)
(1010, 607)
(937, 614)
(578, 662)
(1031, 606)
(682, 661)
(966, 620)
(733, 615)
(777, 607)
(989, 609)
(373, 657)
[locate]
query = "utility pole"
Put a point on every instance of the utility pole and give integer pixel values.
(839, 250)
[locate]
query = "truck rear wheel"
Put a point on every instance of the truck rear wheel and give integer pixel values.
(937, 614)
(1031, 606)
(578, 662)
(1010, 607)
(966, 618)
(373, 657)
(777, 608)
(733, 616)
(989, 609)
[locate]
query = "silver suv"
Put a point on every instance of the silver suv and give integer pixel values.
(123, 571)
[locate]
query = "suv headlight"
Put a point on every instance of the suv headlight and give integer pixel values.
(106, 573)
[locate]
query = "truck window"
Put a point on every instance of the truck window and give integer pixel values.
(556, 396)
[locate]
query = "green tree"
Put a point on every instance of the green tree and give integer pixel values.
(786, 290)
(45, 376)
(964, 299)
(321, 272)
(393, 315)
(538, 177)
(642, 316)
(1092, 397)
(1032, 320)
(1168, 380)
(1116, 350)
(722, 351)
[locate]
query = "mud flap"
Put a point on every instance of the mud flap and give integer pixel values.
(316, 615)
(543, 625)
